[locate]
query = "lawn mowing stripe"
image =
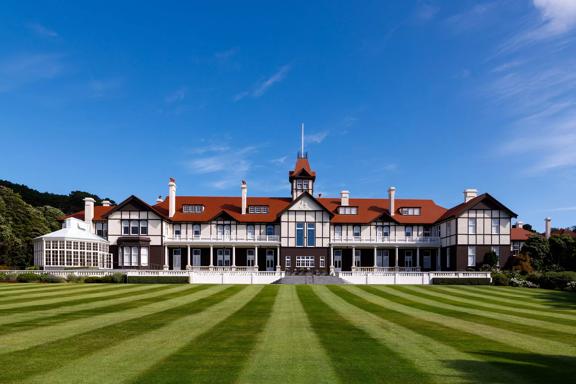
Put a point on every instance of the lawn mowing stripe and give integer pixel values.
(550, 298)
(356, 356)
(119, 291)
(26, 297)
(288, 342)
(146, 295)
(49, 301)
(526, 342)
(495, 354)
(443, 297)
(127, 360)
(48, 356)
(518, 304)
(483, 315)
(397, 330)
(218, 355)
(28, 288)
(17, 341)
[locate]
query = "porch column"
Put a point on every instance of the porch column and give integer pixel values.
(211, 257)
(396, 259)
(353, 258)
(166, 264)
(418, 258)
(332, 270)
(256, 258)
(188, 266)
(375, 263)
(233, 258)
(278, 267)
(438, 264)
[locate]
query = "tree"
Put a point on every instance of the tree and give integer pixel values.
(538, 249)
(491, 259)
(563, 251)
(528, 227)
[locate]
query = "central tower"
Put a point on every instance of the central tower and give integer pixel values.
(302, 177)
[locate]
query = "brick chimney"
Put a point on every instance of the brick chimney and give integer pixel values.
(344, 198)
(469, 194)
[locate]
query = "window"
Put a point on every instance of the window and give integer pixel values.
(338, 231)
(144, 256)
(196, 230)
(427, 232)
(258, 209)
(288, 261)
(410, 211)
(177, 231)
(448, 229)
(125, 227)
(299, 234)
(250, 257)
(196, 257)
(383, 231)
(311, 236)
(270, 230)
(348, 210)
(322, 262)
(408, 259)
(250, 232)
(134, 229)
(134, 256)
(102, 229)
(382, 258)
(305, 184)
(471, 256)
(304, 261)
(356, 231)
(472, 226)
(143, 227)
(495, 226)
(357, 257)
(299, 184)
(192, 208)
(126, 257)
(408, 231)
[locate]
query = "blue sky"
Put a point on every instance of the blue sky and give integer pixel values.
(429, 96)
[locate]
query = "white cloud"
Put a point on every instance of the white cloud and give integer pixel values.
(27, 68)
(227, 54)
(558, 16)
(42, 30)
(426, 11)
(228, 165)
(315, 138)
(102, 87)
(261, 87)
(176, 96)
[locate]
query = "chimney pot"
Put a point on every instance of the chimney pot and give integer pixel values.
(344, 198)
(519, 224)
(244, 190)
(159, 199)
(392, 198)
(469, 194)
(106, 203)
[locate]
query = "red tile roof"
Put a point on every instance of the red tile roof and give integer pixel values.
(99, 212)
(520, 234)
(302, 168)
(371, 209)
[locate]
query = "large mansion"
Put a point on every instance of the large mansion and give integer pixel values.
(302, 232)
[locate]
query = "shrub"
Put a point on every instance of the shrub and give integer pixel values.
(571, 286)
(491, 258)
(27, 278)
(555, 280)
(157, 279)
(48, 278)
(517, 282)
(500, 279)
(72, 278)
(11, 277)
(116, 278)
(461, 281)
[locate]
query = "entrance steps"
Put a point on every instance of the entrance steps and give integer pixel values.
(310, 280)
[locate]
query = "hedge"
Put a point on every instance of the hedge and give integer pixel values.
(552, 280)
(157, 279)
(116, 278)
(460, 281)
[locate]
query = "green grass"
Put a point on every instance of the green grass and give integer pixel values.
(285, 334)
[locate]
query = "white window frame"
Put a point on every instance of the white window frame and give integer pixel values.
(495, 223)
(472, 226)
(144, 256)
(471, 256)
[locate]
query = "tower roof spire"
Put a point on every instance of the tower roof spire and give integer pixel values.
(302, 142)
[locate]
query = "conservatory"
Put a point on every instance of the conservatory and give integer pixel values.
(73, 246)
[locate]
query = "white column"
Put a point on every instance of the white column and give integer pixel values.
(332, 271)
(278, 267)
(353, 258)
(256, 258)
(166, 264)
(233, 258)
(188, 266)
(418, 257)
(211, 257)
(375, 263)
(396, 259)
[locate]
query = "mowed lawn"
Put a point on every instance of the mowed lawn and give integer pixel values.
(285, 334)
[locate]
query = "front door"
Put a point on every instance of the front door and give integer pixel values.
(382, 258)
(270, 260)
(177, 259)
(196, 258)
(223, 258)
(408, 259)
(338, 260)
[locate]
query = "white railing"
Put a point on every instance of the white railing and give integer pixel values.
(385, 240)
(405, 277)
(386, 269)
(224, 239)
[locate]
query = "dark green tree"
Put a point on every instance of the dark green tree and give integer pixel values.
(538, 249)
(563, 251)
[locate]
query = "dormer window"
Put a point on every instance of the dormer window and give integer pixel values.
(193, 208)
(258, 209)
(348, 210)
(410, 211)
